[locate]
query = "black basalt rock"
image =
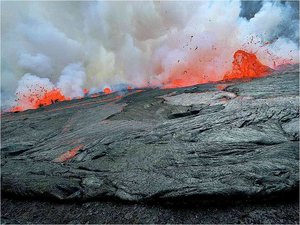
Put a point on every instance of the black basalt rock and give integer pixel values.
(185, 143)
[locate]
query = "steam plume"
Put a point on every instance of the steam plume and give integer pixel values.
(112, 44)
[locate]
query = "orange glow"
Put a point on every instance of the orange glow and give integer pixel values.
(107, 90)
(85, 104)
(187, 75)
(35, 101)
(17, 109)
(81, 104)
(221, 87)
(246, 65)
(85, 91)
(69, 154)
(51, 97)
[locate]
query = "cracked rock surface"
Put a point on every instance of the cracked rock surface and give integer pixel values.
(241, 141)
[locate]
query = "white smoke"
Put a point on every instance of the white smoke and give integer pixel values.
(71, 81)
(32, 88)
(137, 43)
(38, 63)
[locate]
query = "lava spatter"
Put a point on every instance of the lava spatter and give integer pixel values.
(34, 100)
(246, 65)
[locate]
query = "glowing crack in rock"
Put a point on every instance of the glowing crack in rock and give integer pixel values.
(69, 154)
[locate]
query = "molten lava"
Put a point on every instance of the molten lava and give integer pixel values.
(51, 97)
(69, 154)
(35, 101)
(107, 90)
(85, 91)
(186, 75)
(17, 109)
(246, 65)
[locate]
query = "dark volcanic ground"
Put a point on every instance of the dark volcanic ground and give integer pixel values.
(235, 143)
(284, 211)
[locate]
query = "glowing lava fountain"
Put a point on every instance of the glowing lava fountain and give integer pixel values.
(244, 66)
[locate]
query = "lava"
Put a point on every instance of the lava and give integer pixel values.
(186, 75)
(86, 103)
(85, 91)
(51, 97)
(17, 109)
(246, 65)
(69, 154)
(107, 90)
(35, 101)
(221, 87)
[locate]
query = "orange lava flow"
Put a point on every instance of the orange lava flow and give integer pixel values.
(107, 90)
(246, 65)
(35, 101)
(69, 154)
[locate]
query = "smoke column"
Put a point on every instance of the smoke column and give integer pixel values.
(76, 45)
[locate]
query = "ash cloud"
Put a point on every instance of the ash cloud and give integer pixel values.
(105, 44)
